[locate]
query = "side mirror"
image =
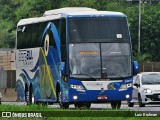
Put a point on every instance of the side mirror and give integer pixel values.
(135, 67)
(62, 67)
(136, 84)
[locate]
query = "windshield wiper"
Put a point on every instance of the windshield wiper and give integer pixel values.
(85, 75)
(116, 75)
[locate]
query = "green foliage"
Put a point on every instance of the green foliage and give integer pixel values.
(11, 11)
(35, 8)
(92, 114)
(143, 57)
(24, 108)
(77, 3)
(150, 39)
(6, 39)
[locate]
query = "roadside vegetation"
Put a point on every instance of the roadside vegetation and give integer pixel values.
(11, 11)
(68, 114)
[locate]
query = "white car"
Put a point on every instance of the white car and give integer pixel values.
(146, 89)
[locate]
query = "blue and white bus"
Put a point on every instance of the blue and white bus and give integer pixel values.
(75, 56)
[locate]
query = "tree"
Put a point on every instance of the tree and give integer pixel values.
(150, 31)
(7, 40)
(143, 57)
(11, 11)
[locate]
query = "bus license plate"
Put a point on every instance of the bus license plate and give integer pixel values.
(102, 97)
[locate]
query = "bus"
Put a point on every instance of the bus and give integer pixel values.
(75, 55)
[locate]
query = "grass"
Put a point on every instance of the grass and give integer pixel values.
(24, 108)
(54, 113)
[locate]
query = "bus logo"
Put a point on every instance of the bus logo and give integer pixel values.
(6, 114)
(46, 44)
(26, 57)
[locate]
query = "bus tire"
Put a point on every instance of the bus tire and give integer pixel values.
(31, 96)
(82, 105)
(116, 104)
(130, 104)
(63, 105)
(26, 93)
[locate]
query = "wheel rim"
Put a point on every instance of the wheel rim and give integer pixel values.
(32, 99)
(60, 99)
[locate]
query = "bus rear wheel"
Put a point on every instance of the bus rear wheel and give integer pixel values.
(62, 104)
(31, 95)
(26, 92)
(116, 104)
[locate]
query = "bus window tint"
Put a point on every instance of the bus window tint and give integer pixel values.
(24, 36)
(106, 29)
(63, 39)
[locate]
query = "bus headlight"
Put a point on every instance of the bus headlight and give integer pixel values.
(127, 96)
(147, 91)
(125, 86)
(75, 97)
(77, 87)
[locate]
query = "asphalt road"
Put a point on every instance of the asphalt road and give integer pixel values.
(124, 106)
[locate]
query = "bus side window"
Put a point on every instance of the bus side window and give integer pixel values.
(40, 31)
(53, 43)
(49, 32)
(19, 37)
(63, 40)
(24, 36)
(35, 34)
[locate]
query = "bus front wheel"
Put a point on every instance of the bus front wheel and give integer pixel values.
(82, 105)
(116, 104)
(62, 104)
(130, 104)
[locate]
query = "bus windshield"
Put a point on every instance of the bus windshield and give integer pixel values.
(96, 59)
(98, 29)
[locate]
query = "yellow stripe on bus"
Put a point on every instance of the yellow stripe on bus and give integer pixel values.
(49, 74)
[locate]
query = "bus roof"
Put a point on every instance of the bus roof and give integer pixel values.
(37, 20)
(68, 12)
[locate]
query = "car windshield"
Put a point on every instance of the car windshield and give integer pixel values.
(152, 79)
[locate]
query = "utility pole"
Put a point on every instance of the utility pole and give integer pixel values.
(139, 28)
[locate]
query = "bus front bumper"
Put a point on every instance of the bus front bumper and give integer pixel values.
(99, 96)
